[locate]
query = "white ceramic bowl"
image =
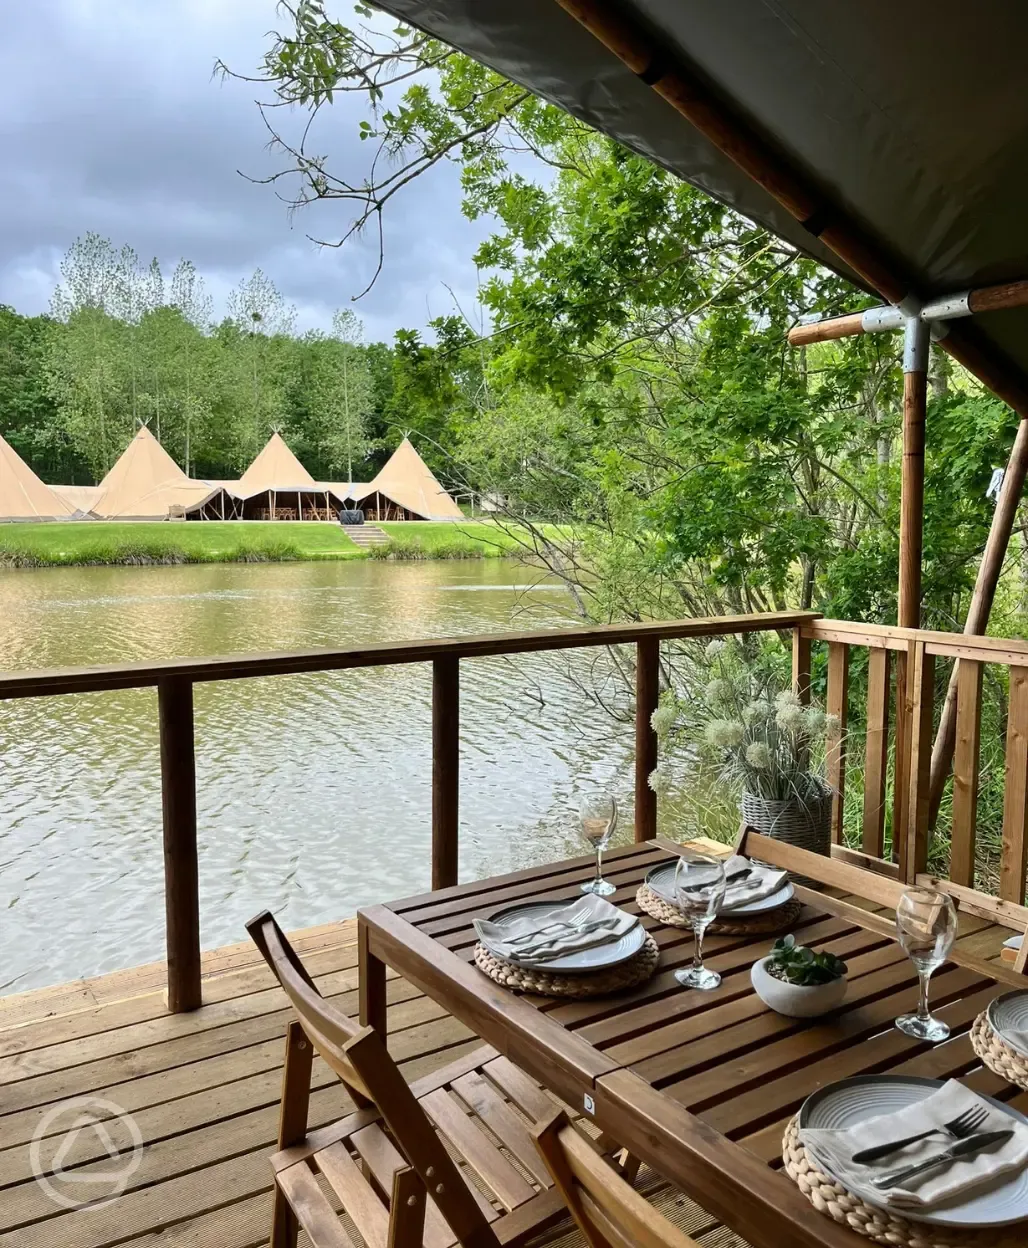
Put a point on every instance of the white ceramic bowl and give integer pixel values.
(796, 1000)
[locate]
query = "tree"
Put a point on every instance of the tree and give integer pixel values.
(256, 306)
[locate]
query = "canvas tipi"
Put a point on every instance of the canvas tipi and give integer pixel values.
(147, 484)
(22, 495)
(407, 482)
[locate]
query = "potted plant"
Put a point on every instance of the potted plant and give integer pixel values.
(763, 741)
(797, 982)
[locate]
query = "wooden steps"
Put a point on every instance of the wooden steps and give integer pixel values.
(365, 535)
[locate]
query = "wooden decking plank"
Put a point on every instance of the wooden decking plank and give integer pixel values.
(430, 1031)
(175, 1172)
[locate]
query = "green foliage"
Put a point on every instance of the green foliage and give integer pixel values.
(797, 964)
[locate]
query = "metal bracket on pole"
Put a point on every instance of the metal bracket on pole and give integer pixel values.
(916, 337)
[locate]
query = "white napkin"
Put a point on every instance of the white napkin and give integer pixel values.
(835, 1148)
(583, 924)
(760, 883)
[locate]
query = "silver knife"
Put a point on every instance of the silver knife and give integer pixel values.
(965, 1148)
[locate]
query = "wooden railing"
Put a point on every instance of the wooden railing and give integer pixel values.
(174, 680)
(901, 688)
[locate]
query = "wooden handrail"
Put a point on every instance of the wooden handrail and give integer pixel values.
(175, 678)
(1004, 650)
(47, 683)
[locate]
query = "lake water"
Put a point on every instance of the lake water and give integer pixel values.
(314, 791)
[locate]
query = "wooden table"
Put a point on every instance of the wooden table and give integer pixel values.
(699, 1085)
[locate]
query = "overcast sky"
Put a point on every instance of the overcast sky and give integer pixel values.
(110, 121)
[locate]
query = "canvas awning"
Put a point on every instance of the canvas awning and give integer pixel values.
(22, 495)
(407, 481)
(900, 126)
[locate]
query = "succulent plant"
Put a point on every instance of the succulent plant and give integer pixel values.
(796, 964)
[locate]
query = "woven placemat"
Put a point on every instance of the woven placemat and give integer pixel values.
(772, 921)
(829, 1197)
(628, 974)
(1000, 1058)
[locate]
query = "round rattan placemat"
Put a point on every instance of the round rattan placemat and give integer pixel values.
(772, 921)
(829, 1197)
(997, 1054)
(628, 974)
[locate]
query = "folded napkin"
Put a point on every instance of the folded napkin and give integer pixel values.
(835, 1148)
(583, 924)
(761, 882)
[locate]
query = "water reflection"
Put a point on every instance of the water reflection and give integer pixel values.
(314, 790)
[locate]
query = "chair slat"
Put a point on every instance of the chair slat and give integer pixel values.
(479, 1151)
(480, 1095)
(523, 1091)
(383, 1160)
(358, 1197)
(313, 1212)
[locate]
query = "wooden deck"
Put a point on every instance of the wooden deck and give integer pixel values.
(203, 1089)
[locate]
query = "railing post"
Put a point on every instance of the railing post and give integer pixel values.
(801, 665)
(835, 746)
(647, 693)
(921, 685)
(181, 876)
(445, 769)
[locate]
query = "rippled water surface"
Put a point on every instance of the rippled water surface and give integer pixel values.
(313, 791)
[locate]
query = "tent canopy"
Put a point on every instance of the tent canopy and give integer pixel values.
(81, 498)
(905, 124)
(275, 468)
(407, 481)
(22, 495)
(146, 483)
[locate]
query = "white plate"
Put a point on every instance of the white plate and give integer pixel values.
(1010, 1013)
(843, 1104)
(661, 879)
(596, 959)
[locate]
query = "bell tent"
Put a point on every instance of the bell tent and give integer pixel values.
(22, 495)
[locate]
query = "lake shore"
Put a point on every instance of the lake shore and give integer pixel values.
(91, 543)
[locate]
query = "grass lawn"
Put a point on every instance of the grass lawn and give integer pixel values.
(211, 541)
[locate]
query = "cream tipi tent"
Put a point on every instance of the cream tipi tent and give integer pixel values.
(147, 484)
(277, 486)
(22, 495)
(408, 484)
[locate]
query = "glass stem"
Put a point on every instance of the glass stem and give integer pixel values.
(697, 951)
(923, 1013)
(599, 862)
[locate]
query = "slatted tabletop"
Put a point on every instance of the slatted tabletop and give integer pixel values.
(700, 1085)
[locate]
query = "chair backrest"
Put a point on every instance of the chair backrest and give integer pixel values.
(359, 1057)
(609, 1212)
(327, 1028)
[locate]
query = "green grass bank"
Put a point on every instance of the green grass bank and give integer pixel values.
(99, 542)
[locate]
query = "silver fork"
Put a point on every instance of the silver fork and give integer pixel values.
(960, 1128)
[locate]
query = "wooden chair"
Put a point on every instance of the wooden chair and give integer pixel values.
(609, 1212)
(387, 1164)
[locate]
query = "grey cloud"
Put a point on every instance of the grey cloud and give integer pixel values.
(110, 120)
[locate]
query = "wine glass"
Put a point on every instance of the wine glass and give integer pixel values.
(699, 892)
(599, 816)
(926, 924)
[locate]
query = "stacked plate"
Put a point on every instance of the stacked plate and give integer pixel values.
(512, 935)
(843, 1105)
(661, 879)
(1008, 1018)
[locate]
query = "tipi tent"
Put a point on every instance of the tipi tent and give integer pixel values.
(277, 486)
(147, 484)
(22, 495)
(407, 483)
